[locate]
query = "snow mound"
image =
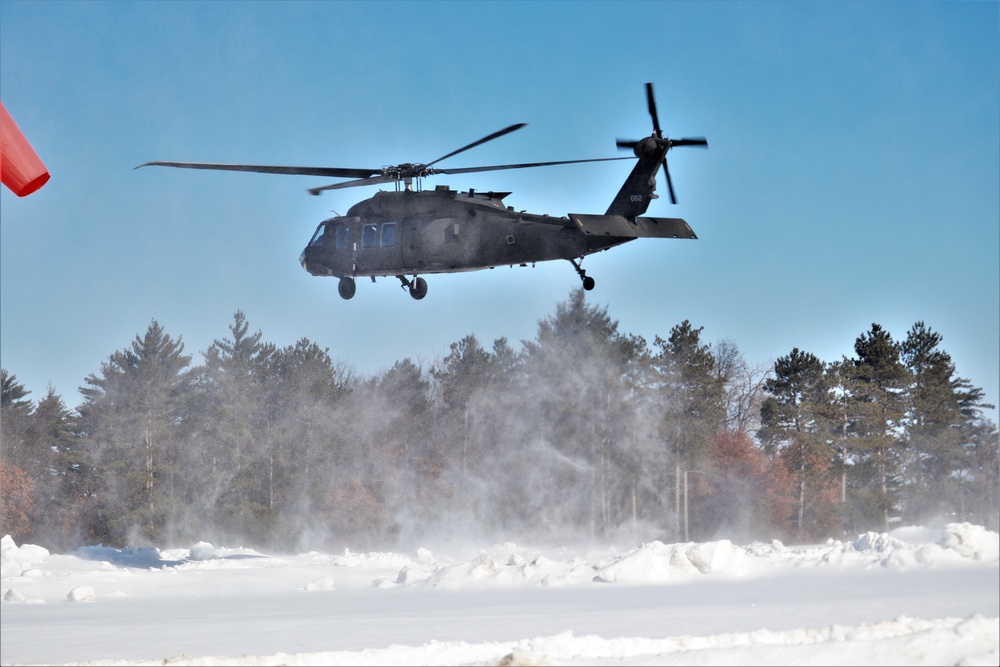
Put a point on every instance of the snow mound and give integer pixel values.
(202, 551)
(15, 560)
(13, 595)
(971, 541)
(903, 548)
(321, 584)
(392, 561)
(658, 562)
(904, 640)
(81, 594)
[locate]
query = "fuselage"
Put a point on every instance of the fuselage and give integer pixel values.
(441, 231)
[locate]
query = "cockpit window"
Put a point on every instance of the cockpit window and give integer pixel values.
(388, 234)
(369, 233)
(317, 239)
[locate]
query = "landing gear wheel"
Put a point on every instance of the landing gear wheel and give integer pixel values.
(418, 288)
(588, 282)
(346, 287)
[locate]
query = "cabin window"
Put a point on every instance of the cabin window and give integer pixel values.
(369, 234)
(388, 234)
(342, 237)
(317, 239)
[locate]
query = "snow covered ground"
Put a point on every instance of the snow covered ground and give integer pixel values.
(911, 597)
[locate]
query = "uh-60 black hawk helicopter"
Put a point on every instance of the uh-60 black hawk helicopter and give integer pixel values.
(409, 231)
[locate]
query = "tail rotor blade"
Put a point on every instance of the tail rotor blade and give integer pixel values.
(700, 142)
(670, 183)
(652, 110)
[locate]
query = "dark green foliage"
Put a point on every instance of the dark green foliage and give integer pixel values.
(583, 429)
(941, 430)
(879, 383)
(795, 424)
(691, 391)
(131, 421)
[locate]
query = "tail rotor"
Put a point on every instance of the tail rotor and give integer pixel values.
(656, 142)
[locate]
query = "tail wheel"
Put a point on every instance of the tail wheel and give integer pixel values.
(347, 287)
(588, 282)
(418, 288)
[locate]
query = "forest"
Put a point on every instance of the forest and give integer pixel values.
(584, 431)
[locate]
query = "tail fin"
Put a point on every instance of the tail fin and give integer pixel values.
(638, 190)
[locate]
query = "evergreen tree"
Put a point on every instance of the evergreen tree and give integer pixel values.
(58, 481)
(576, 374)
(234, 388)
(691, 390)
(879, 382)
(390, 461)
(305, 391)
(983, 451)
(933, 426)
(466, 379)
(793, 424)
(130, 421)
(15, 421)
(691, 401)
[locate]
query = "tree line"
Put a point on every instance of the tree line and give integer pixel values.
(582, 430)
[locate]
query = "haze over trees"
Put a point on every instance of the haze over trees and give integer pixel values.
(582, 430)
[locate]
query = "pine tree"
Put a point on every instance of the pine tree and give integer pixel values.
(793, 424)
(691, 400)
(464, 378)
(130, 421)
(305, 391)
(15, 420)
(577, 372)
(234, 388)
(878, 387)
(933, 427)
(982, 445)
(58, 482)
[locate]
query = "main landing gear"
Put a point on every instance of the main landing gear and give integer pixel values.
(346, 287)
(417, 286)
(588, 282)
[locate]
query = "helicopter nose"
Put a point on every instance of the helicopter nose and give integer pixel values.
(302, 260)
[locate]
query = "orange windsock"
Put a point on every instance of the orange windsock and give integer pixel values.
(21, 169)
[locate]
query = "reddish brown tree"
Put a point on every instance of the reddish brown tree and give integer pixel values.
(16, 501)
(745, 493)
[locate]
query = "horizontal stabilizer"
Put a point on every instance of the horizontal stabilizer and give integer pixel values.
(622, 227)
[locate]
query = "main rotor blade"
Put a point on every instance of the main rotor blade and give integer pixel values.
(331, 172)
(527, 165)
(495, 135)
(374, 180)
(652, 110)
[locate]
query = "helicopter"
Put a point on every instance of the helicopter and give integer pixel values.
(409, 231)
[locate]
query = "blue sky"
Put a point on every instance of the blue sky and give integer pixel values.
(852, 175)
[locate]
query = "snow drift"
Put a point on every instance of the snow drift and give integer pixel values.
(916, 596)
